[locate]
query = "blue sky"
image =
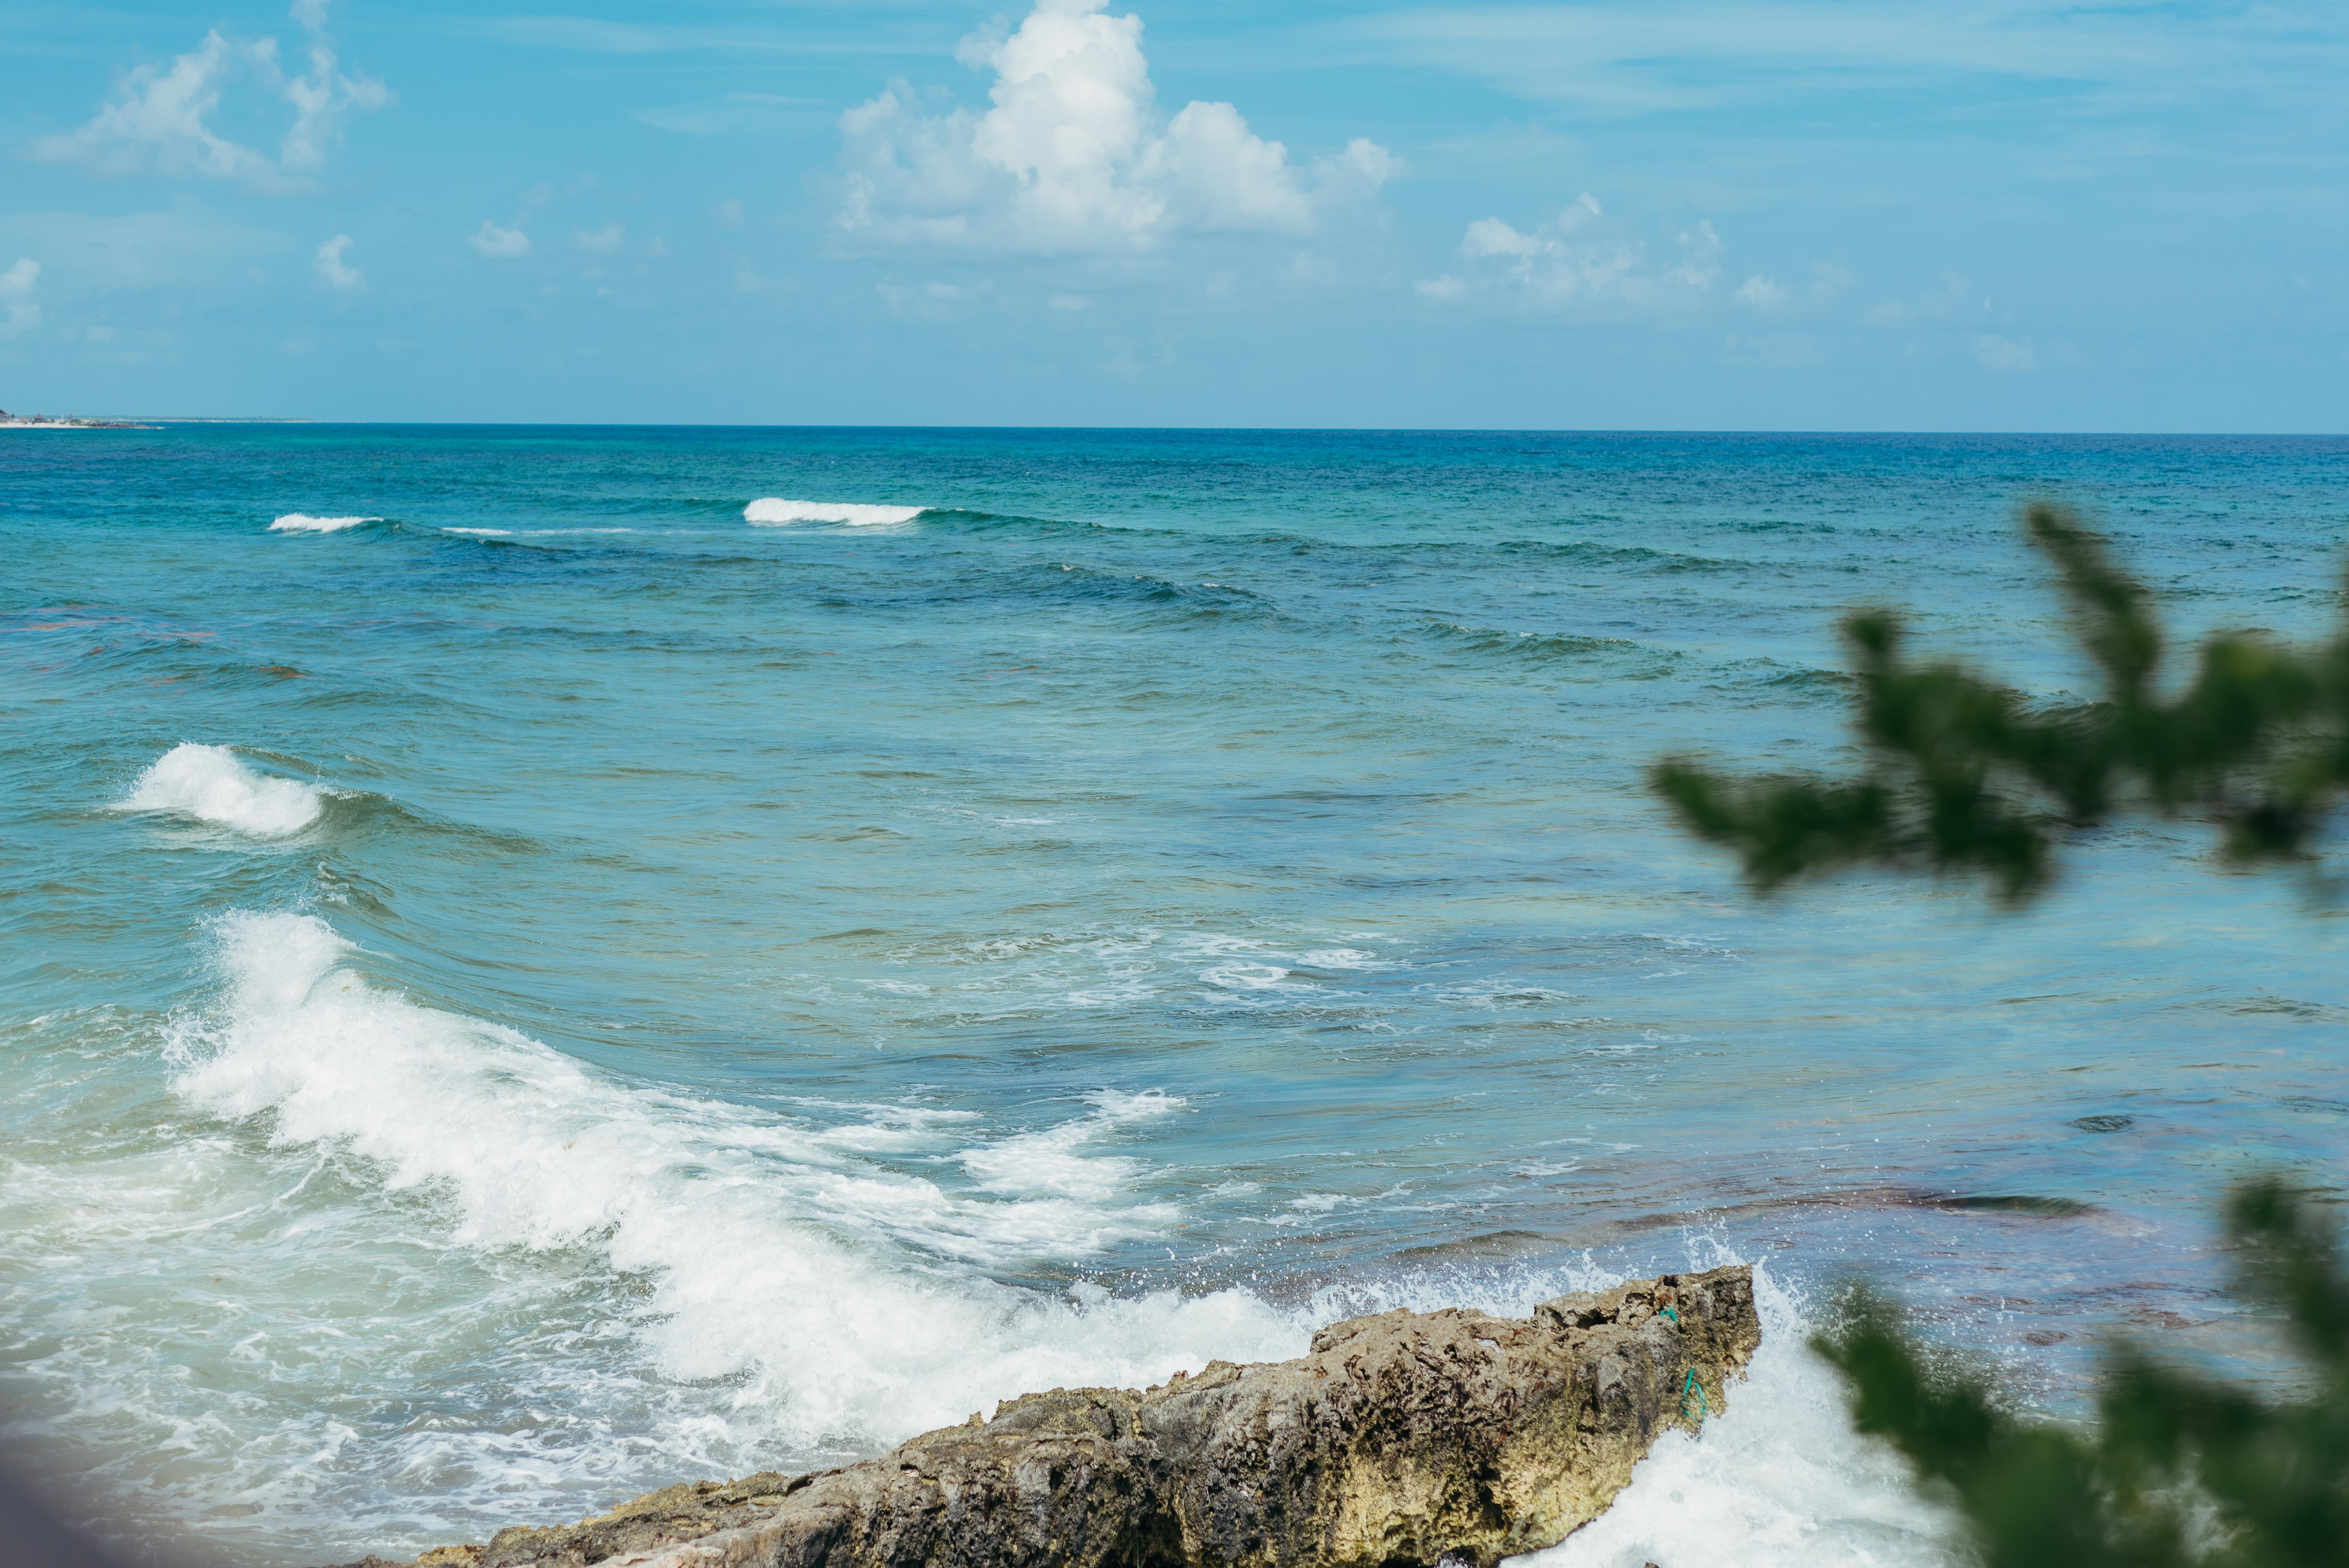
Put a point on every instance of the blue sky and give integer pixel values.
(1676, 213)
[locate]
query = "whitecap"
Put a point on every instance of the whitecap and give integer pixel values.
(770, 512)
(209, 784)
(303, 523)
(776, 1260)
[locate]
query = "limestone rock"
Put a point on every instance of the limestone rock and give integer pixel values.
(1403, 1439)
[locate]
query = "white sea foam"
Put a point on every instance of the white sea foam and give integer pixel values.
(768, 510)
(768, 1291)
(776, 1259)
(209, 784)
(1777, 1479)
(303, 523)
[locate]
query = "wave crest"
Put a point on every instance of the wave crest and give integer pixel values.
(209, 784)
(771, 512)
(303, 523)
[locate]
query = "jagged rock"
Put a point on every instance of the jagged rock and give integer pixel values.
(1404, 1438)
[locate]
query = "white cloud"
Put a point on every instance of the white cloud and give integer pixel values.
(1359, 170)
(158, 120)
(336, 272)
(602, 241)
(18, 314)
(1769, 296)
(1075, 157)
(322, 99)
(1577, 263)
(504, 244)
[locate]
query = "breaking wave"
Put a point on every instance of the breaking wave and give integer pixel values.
(770, 512)
(209, 784)
(303, 523)
(832, 1295)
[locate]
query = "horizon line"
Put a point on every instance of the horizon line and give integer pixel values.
(23, 421)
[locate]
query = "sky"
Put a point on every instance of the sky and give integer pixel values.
(1651, 214)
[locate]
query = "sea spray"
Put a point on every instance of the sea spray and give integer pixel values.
(1778, 1479)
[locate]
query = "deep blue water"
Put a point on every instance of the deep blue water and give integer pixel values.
(614, 993)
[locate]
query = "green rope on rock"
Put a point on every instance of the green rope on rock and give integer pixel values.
(1693, 1387)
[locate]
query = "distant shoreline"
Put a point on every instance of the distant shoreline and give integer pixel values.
(148, 422)
(68, 422)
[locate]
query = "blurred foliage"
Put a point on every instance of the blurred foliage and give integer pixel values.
(1969, 776)
(2181, 1468)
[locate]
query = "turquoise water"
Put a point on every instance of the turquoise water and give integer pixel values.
(555, 987)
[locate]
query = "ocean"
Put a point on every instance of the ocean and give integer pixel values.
(543, 962)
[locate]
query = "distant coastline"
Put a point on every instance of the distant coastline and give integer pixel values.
(64, 422)
(145, 422)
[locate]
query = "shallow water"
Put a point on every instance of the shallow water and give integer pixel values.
(547, 985)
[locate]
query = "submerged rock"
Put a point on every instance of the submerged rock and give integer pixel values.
(1404, 1438)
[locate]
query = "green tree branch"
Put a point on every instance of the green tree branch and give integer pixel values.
(1971, 776)
(1968, 777)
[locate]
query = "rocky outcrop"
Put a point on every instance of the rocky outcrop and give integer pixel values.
(1405, 1438)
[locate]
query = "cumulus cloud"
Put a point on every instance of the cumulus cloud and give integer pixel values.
(158, 118)
(602, 241)
(1075, 158)
(18, 314)
(1578, 262)
(333, 271)
(504, 244)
